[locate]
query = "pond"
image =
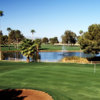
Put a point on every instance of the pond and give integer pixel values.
(56, 56)
(44, 56)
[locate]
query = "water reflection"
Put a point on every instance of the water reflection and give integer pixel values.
(13, 56)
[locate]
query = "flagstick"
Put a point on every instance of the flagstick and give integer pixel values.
(94, 68)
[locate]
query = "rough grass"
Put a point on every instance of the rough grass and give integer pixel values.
(60, 80)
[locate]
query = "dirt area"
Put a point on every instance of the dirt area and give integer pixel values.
(23, 94)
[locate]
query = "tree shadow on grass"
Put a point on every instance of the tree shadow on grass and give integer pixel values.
(11, 94)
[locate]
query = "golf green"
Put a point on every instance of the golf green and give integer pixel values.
(62, 81)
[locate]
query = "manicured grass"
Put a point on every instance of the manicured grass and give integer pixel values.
(56, 47)
(60, 80)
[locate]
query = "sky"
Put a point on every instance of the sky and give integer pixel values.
(49, 18)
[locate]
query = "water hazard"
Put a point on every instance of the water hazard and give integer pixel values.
(44, 56)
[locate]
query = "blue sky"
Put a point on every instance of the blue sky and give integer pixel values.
(49, 18)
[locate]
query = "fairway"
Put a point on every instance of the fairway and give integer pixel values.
(58, 47)
(62, 81)
(46, 47)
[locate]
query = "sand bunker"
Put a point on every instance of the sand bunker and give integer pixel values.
(23, 94)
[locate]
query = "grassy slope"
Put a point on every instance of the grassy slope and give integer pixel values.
(55, 47)
(62, 81)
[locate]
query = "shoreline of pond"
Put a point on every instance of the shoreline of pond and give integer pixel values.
(46, 51)
(60, 51)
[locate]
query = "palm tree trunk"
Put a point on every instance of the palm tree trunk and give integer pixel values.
(28, 60)
(37, 53)
(9, 43)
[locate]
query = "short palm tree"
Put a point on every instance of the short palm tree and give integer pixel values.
(28, 49)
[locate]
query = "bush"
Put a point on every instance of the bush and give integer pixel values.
(74, 59)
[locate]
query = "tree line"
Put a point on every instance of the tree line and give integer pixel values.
(14, 37)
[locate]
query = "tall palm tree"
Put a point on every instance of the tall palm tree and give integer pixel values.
(32, 31)
(9, 30)
(1, 14)
(81, 32)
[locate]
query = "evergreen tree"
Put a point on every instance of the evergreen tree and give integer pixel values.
(90, 40)
(69, 37)
(45, 40)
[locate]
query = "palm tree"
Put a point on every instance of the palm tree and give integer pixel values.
(1, 14)
(81, 32)
(28, 49)
(32, 31)
(9, 30)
